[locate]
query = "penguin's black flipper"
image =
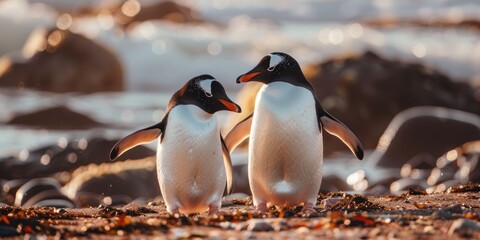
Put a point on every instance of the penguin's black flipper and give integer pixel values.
(228, 166)
(240, 132)
(339, 130)
(145, 135)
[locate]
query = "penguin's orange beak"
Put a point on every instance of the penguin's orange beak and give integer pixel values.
(230, 105)
(247, 77)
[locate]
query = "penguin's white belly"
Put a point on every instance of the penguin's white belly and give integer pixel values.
(190, 167)
(286, 151)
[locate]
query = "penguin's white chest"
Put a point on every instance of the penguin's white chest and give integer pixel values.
(190, 166)
(286, 152)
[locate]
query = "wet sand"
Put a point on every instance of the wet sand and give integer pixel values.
(412, 215)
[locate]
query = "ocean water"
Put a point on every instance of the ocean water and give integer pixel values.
(235, 34)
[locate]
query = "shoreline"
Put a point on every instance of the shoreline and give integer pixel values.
(414, 214)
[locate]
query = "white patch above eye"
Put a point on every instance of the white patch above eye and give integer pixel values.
(274, 61)
(206, 86)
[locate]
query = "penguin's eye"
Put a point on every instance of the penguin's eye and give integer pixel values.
(274, 61)
(206, 86)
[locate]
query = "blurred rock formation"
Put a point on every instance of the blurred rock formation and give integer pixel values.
(60, 117)
(367, 91)
(423, 134)
(460, 165)
(64, 156)
(122, 182)
(133, 12)
(62, 61)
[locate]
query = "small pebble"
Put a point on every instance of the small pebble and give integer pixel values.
(60, 210)
(442, 214)
(179, 233)
(429, 230)
(153, 204)
(216, 234)
(374, 233)
(329, 202)
(226, 225)
(8, 231)
(228, 200)
(302, 230)
(454, 209)
(255, 225)
(281, 225)
(156, 202)
(247, 235)
(464, 227)
(139, 202)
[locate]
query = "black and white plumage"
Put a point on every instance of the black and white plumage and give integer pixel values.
(285, 130)
(193, 162)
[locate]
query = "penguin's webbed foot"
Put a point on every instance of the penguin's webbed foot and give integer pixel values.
(261, 209)
(308, 209)
(213, 209)
(175, 211)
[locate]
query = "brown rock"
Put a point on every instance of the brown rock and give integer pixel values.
(42, 192)
(386, 22)
(257, 225)
(464, 227)
(424, 133)
(367, 91)
(131, 12)
(62, 61)
(132, 178)
(64, 119)
(65, 158)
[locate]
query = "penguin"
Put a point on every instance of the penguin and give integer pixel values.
(193, 162)
(286, 147)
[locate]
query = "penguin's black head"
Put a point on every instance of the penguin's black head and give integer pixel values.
(276, 66)
(207, 93)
